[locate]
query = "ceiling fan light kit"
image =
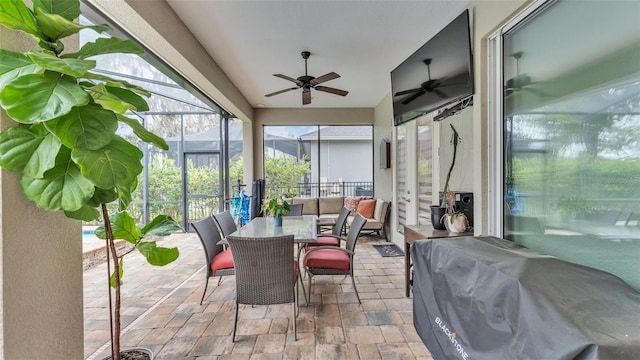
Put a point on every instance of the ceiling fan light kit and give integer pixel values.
(307, 82)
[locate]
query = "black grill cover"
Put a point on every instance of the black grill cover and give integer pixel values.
(489, 298)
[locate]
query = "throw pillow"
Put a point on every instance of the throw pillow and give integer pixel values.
(351, 203)
(366, 208)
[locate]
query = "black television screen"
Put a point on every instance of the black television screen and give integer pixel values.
(437, 74)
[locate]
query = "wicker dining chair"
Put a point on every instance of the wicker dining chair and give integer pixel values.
(225, 223)
(266, 273)
(219, 262)
(294, 210)
(333, 260)
(332, 239)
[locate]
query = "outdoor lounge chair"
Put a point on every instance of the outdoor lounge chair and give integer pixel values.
(266, 273)
(219, 262)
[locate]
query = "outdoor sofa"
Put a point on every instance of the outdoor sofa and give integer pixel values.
(375, 211)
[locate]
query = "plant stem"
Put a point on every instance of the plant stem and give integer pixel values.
(455, 138)
(114, 312)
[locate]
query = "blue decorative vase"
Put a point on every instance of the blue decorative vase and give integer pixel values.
(277, 221)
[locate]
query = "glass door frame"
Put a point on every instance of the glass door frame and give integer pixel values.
(185, 189)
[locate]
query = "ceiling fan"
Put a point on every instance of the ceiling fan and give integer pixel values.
(520, 81)
(429, 86)
(307, 82)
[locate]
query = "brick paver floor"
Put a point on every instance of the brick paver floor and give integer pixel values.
(161, 311)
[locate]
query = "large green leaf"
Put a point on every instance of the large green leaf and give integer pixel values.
(73, 67)
(129, 97)
(43, 158)
(35, 98)
(55, 27)
(161, 225)
(117, 99)
(156, 255)
(15, 15)
(62, 188)
(102, 196)
(103, 46)
(87, 127)
(124, 227)
(24, 150)
(14, 65)
(85, 213)
(144, 134)
(117, 83)
(124, 195)
(68, 9)
(12, 60)
(114, 166)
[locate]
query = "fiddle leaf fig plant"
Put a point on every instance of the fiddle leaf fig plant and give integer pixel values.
(65, 143)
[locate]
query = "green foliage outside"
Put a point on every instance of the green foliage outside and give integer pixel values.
(165, 189)
(576, 186)
(282, 176)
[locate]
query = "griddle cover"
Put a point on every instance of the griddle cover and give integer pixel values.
(489, 298)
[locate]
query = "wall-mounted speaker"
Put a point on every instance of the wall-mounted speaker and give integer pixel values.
(464, 204)
(385, 154)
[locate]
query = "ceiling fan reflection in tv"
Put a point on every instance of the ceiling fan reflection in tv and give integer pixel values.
(449, 52)
(429, 86)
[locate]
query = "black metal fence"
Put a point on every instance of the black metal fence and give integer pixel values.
(342, 188)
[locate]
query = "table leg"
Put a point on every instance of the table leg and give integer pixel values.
(407, 267)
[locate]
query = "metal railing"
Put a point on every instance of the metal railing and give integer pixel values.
(338, 188)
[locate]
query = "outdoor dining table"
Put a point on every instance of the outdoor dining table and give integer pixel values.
(303, 228)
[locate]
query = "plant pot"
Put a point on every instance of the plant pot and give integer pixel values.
(277, 221)
(459, 224)
(134, 354)
(436, 216)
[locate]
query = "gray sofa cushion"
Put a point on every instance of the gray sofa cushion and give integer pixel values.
(330, 205)
(309, 205)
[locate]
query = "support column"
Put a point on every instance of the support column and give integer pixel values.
(41, 306)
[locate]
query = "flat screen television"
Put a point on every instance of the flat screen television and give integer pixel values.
(439, 73)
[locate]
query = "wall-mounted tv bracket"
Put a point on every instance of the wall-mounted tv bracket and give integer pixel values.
(462, 104)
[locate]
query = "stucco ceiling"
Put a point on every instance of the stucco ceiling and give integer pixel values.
(360, 40)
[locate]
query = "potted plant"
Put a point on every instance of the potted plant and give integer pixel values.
(440, 212)
(276, 208)
(454, 220)
(65, 145)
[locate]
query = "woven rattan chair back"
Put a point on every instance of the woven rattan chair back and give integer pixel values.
(354, 231)
(294, 210)
(226, 223)
(209, 235)
(338, 227)
(264, 269)
(264, 272)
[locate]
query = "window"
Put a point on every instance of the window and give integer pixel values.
(312, 161)
(425, 169)
(571, 134)
(402, 186)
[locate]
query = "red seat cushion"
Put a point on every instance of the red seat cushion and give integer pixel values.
(325, 241)
(223, 260)
(328, 259)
